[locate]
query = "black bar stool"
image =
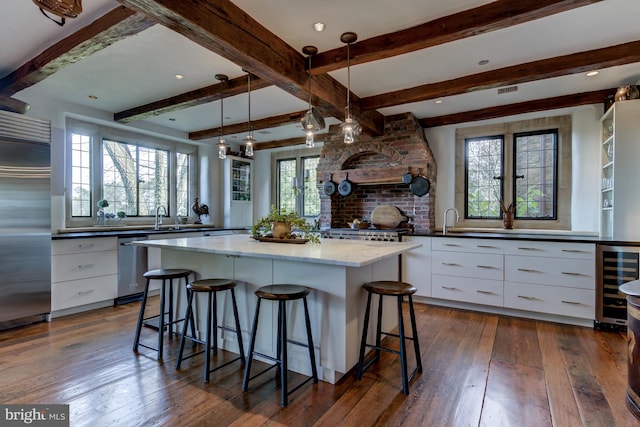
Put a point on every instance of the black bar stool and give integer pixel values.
(164, 275)
(211, 287)
(282, 294)
(399, 290)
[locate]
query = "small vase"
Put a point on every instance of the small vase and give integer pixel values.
(280, 230)
(507, 220)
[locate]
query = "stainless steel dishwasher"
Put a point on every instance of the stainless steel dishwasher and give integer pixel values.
(132, 263)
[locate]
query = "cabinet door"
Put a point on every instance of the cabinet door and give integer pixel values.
(416, 265)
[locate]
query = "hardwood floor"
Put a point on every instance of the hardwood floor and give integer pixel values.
(479, 370)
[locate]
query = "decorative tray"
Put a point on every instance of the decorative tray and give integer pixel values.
(273, 240)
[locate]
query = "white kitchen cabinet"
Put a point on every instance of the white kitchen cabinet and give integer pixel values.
(467, 270)
(84, 274)
(416, 265)
(551, 277)
(620, 151)
(238, 192)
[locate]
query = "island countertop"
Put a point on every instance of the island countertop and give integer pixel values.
(349, 253)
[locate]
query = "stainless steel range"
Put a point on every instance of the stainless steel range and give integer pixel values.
(393, 235)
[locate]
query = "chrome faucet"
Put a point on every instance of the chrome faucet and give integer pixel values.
(159, 217)
(444, 222)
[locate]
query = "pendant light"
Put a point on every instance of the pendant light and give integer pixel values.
(350, 127)
(312, 120)
(248, 148)
(222, 148)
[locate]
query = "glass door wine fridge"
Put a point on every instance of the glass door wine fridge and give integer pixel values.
(616, 265)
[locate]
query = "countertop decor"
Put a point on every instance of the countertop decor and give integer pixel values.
(280, 224)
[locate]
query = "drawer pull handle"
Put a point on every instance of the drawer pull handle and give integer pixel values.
(526, 297)
(85, 267)
(484, 292)
(81, 293)
(528, 270)
(450, 288)
(571, 302)
(450, 244)
(487, 246)
(569, 273)
(524, 248)
(87, 245)
(453, 264)
(577, 251)
(485, 266)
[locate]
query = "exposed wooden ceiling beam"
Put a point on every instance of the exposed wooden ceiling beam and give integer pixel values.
(226, 30)
(493, 16)
(200, 96)
(115, 25)
(268, 122)
(574, 100)
(582, 62)
(285, 142)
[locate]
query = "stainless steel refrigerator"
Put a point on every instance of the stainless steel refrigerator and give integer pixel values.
(25, 219)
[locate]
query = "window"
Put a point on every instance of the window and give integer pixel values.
(527, 164)
(135, 173)
(295, 181)
(81, 175)
(535, 174)
(135, 178)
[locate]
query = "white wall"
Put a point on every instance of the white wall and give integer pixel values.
(585, 162)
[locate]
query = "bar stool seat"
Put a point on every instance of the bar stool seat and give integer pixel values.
(211, 287)
(281, 293)
(399, 290)
(163, 274)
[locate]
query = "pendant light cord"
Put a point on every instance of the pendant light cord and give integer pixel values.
(348, 78)
(221, 112)
(249, 102)
(309, 82)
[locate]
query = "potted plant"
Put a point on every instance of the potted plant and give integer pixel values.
(283, 225)
(507, 215)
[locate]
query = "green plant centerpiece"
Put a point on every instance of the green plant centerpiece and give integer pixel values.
(283, 225)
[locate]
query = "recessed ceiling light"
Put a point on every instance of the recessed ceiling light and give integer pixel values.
(319, 26)
(93, 97)
(483, 62)
(593, 73)
(438, 101)
(179, 76)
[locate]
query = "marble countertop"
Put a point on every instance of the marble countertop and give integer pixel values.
(350, 253)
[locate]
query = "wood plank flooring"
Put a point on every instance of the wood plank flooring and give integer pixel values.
(479, 370)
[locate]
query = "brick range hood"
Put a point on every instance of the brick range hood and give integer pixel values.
(376, 165)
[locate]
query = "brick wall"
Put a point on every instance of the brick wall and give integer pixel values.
(403, 143)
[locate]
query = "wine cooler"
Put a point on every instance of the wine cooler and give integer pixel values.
(616, 265)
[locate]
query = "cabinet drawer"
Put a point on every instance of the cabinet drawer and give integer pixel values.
(573, 273)
(477, 291)
(550, 299)
(551, 249)
(481, 266)
(452, 244)
(81, 266)
(78, 246)
(81, 292)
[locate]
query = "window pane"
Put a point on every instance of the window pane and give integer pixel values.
(153, 180)
(535, 174)
(80, 175)
(182, 184)
(311, 199)
(119, 185)
(286, 190)
(483, 163)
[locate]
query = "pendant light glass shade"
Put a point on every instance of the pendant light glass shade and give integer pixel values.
(222, 148)
(248, 142)
(312, 120)
(350, 128)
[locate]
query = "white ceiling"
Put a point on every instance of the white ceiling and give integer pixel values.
(142, 68)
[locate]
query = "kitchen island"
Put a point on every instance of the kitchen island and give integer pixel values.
(334, 269)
